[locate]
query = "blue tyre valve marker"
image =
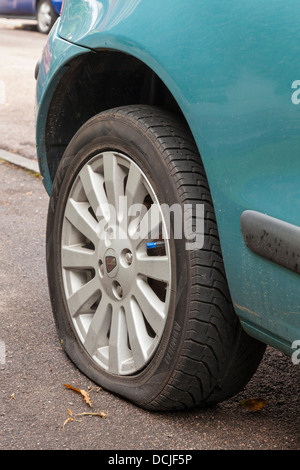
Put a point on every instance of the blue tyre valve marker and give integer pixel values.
(151, 245)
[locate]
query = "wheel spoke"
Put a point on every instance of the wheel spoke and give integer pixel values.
(118, 348)
(99, 327)
(87, 294)
(114, 177)
(77, 213)
(149, 226)
(139, 339)
(152, 307)
(93, 186)
(135, 190)
(77, 257)
(154, 267)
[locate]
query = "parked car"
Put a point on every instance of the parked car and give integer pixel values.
(44, 11)
(168, 142)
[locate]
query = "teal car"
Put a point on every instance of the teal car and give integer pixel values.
(168, 138)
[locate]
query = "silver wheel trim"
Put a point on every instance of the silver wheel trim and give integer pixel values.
(119, 313)
(44, 17)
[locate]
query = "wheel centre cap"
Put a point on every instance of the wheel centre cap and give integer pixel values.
(111, 263)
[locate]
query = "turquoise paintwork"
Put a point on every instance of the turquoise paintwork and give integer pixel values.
(52, 67)
(230, 66)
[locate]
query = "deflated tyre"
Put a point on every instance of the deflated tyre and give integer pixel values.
(135, 268)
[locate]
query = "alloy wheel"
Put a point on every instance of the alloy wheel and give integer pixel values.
(116, 263)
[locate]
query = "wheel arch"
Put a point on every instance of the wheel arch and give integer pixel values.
(95, 82)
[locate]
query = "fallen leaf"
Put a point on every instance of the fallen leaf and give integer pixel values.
(253, 404)
(85, 394)
(69, 419)
(98, 413)
(92, 389)
(72, 416)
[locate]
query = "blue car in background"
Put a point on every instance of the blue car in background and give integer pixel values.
(44, 11)
(168, 137)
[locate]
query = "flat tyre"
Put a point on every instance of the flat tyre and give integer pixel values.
(141, 303)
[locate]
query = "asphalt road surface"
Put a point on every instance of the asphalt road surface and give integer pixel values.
(20, 48)
(35, 406)
(34, 401)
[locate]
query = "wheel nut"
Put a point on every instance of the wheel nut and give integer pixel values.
(119, 290)
(128, 258)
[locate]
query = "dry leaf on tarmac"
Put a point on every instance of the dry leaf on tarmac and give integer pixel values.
(85, 394)
(98, 413)
(72, 417)
(253, 404)
(69, 419)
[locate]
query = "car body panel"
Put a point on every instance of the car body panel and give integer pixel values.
(57, 5)
(27, 8)
(231, 69)
(57, 52)
(14, 7)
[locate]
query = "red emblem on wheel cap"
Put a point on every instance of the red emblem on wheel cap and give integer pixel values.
(111, 263)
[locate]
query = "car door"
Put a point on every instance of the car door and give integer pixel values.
(25, 7)
(17, 7)
(6, 7)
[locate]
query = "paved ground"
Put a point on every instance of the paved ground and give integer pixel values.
(33, 400)
(20, 48)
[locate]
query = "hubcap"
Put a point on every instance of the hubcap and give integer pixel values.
(117, 292)
(44, 17)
